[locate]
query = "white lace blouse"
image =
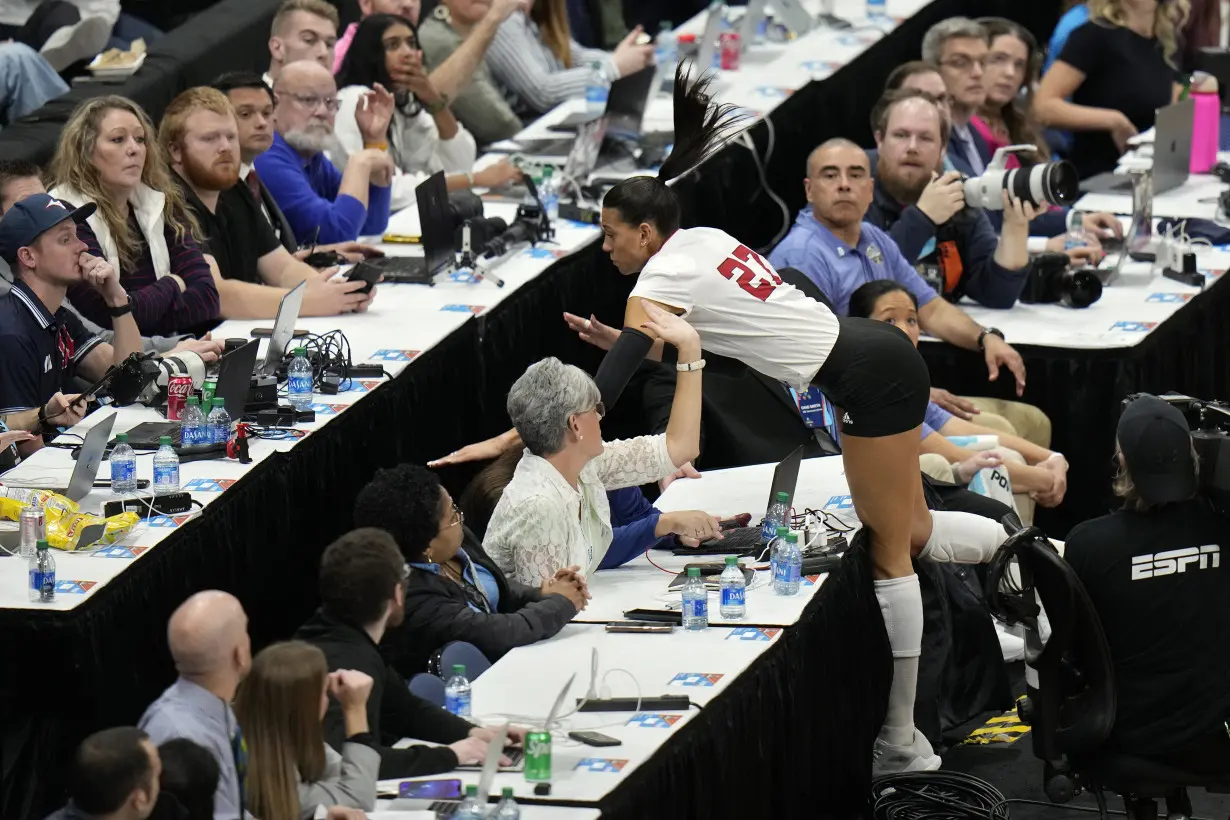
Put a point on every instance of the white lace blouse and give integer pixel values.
(541, 524)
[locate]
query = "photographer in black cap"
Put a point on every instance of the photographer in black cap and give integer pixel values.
(1155, 574)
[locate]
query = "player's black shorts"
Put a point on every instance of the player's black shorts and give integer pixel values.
(876, 379)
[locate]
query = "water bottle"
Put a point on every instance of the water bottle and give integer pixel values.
(787, 573)
(695, 601)
(123, 466)
(734, 590)
(166, 468)
(877, 8)
(548, 191)
(597, 90)
(457, 692)
(192, 424)
(1075, 237)
(471, 807)
(775, 517)
(508, 808)
(775, 549)
(42, 575)
(299, 380)
(666, 51)
(219, 423)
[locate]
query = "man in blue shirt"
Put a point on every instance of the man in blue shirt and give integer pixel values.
(321, 204)
(832, 245)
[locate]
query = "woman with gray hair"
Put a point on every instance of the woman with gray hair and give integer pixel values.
(554, 513)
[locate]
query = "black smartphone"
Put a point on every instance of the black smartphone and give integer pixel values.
(656, 615)
(651, 627)
(366, 272)
(595, 739)
(142, 483)
(266, 332)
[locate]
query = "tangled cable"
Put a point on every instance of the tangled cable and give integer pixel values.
(936, 796)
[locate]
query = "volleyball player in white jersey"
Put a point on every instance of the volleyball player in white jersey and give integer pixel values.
(870, 370)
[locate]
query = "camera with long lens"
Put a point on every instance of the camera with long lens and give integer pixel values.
(1051, 280)
(1210, 425)
(1044, 183)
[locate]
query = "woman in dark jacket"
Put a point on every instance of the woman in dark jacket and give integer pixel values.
(455, 592)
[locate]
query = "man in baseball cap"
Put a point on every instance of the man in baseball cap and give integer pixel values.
(43, 346)
(1156, 444)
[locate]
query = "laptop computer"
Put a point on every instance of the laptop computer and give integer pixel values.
(708, 40)
(85, 471)
(436, 236)
(516, 754)
(234, 378)
(283, 332)
(1172, 154)
(624, 114)
(742, 540)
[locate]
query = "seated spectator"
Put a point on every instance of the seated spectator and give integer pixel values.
(301, 30)
(200, 134)
(189, 775)
(958, 47)
(321, 203)
(362, 592)
(114, 774)
(455, 592)
(252, 99)
(1113, 74)
(555, 511)
(1036, 473)
(208, 636)
(1005, 117)
(538, 64)
(43, 346)
(832, 245)
(281, 705)
(1165, 628)
(954, 246)
(1071, 20)
(408, 9)
(920, 75)
(107, 155)
(423, 136)
(64, 32)
(455, 38)
(28, 82)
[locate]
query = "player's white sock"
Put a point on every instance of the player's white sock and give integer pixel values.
(901, 606)
(962, 538)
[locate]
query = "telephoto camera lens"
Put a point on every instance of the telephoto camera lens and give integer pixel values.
(1046, 183)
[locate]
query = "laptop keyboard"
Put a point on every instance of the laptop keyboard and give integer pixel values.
(735, 542)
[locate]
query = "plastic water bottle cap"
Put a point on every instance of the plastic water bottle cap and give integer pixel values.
(459, 669)
(693, 572)
(41, 544)
(732, 560)
(300, 351)
(783, 498)
(507, 791)
(792, 537)
(472, 790)
(194, 400)
(782, 531)
(164, 441)
(121, 438)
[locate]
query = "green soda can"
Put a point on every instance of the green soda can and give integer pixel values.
(538, 757)
(209, 389)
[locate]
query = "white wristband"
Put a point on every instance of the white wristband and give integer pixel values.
(685, 367)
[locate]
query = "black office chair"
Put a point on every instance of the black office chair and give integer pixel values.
(1070, 687)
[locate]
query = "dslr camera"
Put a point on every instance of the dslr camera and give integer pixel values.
(1209, 422)
(1045, 183)
(1051, 280)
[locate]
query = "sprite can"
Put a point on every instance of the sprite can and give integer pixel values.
(538, 757)
(208, 390)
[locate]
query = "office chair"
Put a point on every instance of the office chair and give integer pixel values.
(467, 654)
(1070, 687)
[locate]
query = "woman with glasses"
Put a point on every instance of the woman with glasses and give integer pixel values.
(423, 136)
(454, 591)
(1113, 74)
(555, 511)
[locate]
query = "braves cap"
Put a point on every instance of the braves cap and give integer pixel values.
(33, 216)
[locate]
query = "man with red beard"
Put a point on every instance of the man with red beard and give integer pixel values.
(251, 267)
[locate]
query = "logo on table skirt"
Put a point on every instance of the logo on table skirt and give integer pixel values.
(601, 765)
(394, 355)
(751, 633)
(839, 502)
(327, 409)
(651, 720)
(1134, 327)
(819, 66)
(696, 679)
(357, 386)
(811, 580)
(1170, 298)
(67, 587)
(544, 253)
(167, 521)
(475, 309)
(120, 552)
(208, 485)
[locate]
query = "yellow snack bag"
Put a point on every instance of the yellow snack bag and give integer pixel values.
(65, 524)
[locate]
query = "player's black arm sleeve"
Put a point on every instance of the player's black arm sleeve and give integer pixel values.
(620, 363)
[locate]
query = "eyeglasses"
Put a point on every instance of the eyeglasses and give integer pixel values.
(458, 518)
(964, 62)
(313, 101)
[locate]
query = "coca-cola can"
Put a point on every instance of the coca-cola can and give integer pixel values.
(730, 47)
(178, 388)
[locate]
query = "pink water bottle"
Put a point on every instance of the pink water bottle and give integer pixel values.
(1206, 130)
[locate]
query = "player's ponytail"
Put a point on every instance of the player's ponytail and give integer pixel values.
(700, 129)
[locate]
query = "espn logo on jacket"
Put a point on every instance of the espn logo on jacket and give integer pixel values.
(1172, 562)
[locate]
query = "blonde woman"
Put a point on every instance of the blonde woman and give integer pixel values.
(1114, 72)
(280, 707)
(109, 154)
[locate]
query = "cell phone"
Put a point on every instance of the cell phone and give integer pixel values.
(655, 615)
(142, 483)
(735, 522)
(430, 790)
(640, 626)
(266, 332)
(366, 272)
(595, 739)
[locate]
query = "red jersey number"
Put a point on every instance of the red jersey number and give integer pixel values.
(744, 261)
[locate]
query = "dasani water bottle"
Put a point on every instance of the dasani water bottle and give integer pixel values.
(123, 466)
(166, 468)
(695, 601)
(457, 692)
(733, 604)
(299, 380)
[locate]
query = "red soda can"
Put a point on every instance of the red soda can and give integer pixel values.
(730, 48)
(178, 388)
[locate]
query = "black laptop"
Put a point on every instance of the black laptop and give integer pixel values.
(436, 229)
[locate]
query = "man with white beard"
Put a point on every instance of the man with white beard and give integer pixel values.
(251, 267)
(321, 204)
